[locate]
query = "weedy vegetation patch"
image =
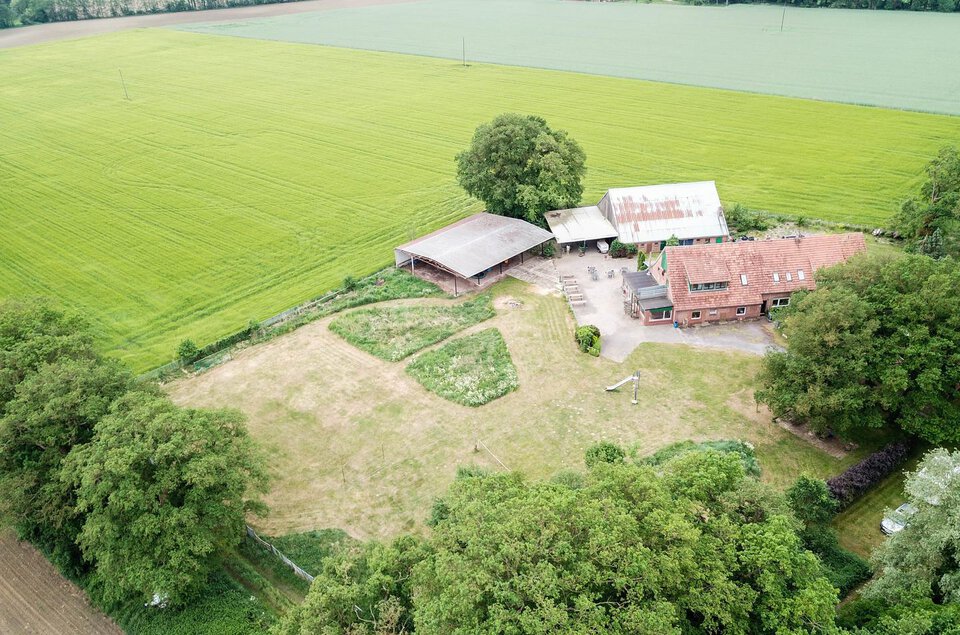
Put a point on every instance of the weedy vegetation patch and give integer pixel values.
(392, 333)
(471, 370)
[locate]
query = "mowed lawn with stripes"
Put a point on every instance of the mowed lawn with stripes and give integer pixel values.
(242, 176)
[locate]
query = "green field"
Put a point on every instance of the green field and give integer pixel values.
(862, 57)
(245, 176)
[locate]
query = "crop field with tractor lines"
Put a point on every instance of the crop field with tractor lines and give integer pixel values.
(242, 177)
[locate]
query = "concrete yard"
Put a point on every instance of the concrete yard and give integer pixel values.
(621, 334)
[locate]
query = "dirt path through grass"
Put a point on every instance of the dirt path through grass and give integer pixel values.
(34, 598)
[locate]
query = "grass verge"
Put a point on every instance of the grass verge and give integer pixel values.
(395, 332)
(471, 370)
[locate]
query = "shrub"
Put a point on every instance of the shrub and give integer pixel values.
(549, 249)
(844, 569)
(603, 452)
(349, 283)
(745, 220)
(188, 352)
(641, 261)
(856, 480)
(811, 500)
(588, 337)
(570, 478)
(751, 466)
(622, 250)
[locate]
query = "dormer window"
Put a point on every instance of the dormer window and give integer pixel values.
(776, 277)
(709, 286)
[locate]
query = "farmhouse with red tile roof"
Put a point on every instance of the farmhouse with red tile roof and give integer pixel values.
(732, 281)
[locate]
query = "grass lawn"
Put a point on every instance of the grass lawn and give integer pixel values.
(358, 444)
(850, 56)
(393, 333)
(471, 370)
(243, 177)
(859, 524)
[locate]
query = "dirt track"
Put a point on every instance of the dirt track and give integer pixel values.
(39, 33)
(34, 598)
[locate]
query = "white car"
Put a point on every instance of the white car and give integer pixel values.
(897, 519)
(602, 246)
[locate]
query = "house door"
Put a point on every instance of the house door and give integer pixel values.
(763, 308)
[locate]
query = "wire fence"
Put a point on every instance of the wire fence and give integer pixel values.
(217, 353)
(297, 570)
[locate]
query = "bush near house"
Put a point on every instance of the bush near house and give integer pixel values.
(622, 250)
(588, 339)
(856, 480)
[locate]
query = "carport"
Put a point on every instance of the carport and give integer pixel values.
(475, 251)
(580, 225)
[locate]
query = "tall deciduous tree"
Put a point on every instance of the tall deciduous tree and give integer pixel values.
(36, 332)
(923, 560)
(54, 410)
(930, 220)
(690, 547)
(520, 167)
(876, 344)
(165, 491)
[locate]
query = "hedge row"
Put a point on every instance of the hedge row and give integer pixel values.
(855, 482)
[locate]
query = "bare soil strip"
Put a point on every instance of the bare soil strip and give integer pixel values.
(40, 33)
(34, 598)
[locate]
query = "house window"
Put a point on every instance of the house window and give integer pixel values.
(789, 276)
(661, 314)
(709, 286)
(776, 277)
(741, 310)
(712, 312)
(780, 302)
(743, 279)
(800, 275)
(695, 315)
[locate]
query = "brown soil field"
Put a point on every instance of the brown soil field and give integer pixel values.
(35, 598)
(40, 33)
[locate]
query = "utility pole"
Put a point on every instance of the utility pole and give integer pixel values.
(463, 50)
(783, 16)
(124, 84)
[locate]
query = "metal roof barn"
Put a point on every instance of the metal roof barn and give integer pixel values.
(654, 213)
(580, 224)
(473, 245)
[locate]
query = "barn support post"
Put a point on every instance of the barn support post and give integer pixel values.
(456, 293)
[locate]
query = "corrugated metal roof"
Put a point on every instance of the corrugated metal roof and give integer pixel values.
(653, 213)
(474, 244)
(579, 224)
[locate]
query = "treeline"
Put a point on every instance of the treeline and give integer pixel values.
(129, 494)
(23, 12)
(905, 5)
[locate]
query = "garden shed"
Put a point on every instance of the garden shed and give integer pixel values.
(475, 251)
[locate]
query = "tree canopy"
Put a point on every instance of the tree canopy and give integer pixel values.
(165, 491)
(876, 344)
(922, 562)
(693, 546)
(520, 167)
(930, 220)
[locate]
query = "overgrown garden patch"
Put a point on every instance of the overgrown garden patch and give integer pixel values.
(471, 370)
(393, 333)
